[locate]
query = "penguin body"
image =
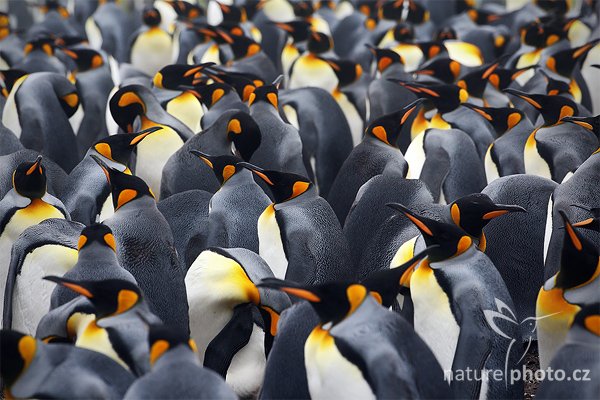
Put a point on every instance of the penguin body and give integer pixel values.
(481, 135)
(9, 142)
(108, 29)
(325, 134)
(66, 370)
(462, 172)
(523, 268)
(37, 111)
(54, 239)
(228, 315)
(151, 48)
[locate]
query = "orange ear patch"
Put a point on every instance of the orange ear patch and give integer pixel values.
(302, 293)
(380, 133)
(109, 239)
(419, 224)
(125, 197)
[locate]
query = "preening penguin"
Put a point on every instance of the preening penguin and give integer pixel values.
(232, 321)
(298, 235)
(176, 371)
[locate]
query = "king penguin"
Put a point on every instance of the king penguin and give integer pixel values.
(457, 294)
(151, 48)
(312, 248)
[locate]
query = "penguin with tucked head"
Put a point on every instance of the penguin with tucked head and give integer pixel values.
(342, 354)
(562, 296)
(235, 208)
(578, 353)
(39, 56)
(378, 150)
(150, 48)
(459, 295)
(87, 194)
(26, 204)
(176, 371)
(312, 248)
(232, 321)
(137, 224)
(31, 368)
(134, 102)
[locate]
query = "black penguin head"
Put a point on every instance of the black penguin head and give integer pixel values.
(124, 187)
(284, 185)
(243, 47)
(502, 78)
(298, 30)
(563, 62)
(303, 8)
(162, 339)
(385, 57)
(29, 179)
(446, 98)
(445, 69)
(579, 258)
(476, 80)
(223, 166)
(385, 284)
(18, 351)
(185, 10)
(56, 6)
(245, 134)
(126, 105)
(482, 17)
(474, 211)
(110, 297)
(502, 119)
(151, 17)
(97, 233)
(432, 49)
(42, 43)
(4, 25)
(452, 240)
(119, 147)
(588, 318)
(347, 72)
(552, 108)
(403, 32)
(319, 43)
(332, 301)
(233, 14)
(555, 87)
(446, 33)
(243, 83)
(267, 93)
(559, 7)
(387, 128)
(592, 223)
(590, 123)
(9, 78)
(210, 94)
(540, 35)
(85, 59)
(175, 75)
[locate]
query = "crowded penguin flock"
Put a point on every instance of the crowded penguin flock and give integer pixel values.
(281, 199)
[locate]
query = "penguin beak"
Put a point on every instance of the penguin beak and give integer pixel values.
(525, 97)
(70, 284)
(573, 235)
(277, 81)
(502, 209)
(409, 109)
(412, 217)
(204, 157)
(35, 166)
(581, 121)
(590, 223)
(261, 173)
(290, 288)
(141, 135)
(105, 168)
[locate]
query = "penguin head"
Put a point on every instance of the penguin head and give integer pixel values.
(284, 185)
(446, 33)
(384, 285)
(161, 339)
(592, 124)
(125, 188)
(432, 49)
(579, 258)
(4, 25)
(298, 30)
(564, 61)
(451, 240)
(443, 68)
(233, 14)
(303, 8)
(18, 351)
(333, 301)
(41, 43)
(540, 35)
(552, 108)
(346, 71)
(243, 83)
(245, 134)
(210, 94)
(588, 319)
(185, 10)
(555, 87)
(110, 297)
(403, 32)
(29, 179)
(223, 166)
(319, 42)
(85, 59)
(96, 233)
(126, 105)
(502, 78)
(476, 80)
(151, 17)
(474, 211)
(482, 17)
(592, 223)
(243, 47)
(445, 98)
(56, 6)
(119, 147)
(383, 58)
(387, 128)
(175, 75)
(557, 7)
(502, 119)
(267, 94)
(9, 78)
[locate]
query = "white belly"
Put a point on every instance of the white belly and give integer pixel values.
(187, 109)
(76, 119)
(491, 169)
(270, 246)
(153, 153)
(152, 51)
(10, 114)
(247, 369)
(93, 34)
(312, 72)
(548, 229)
(31, 298)
(534, 163)
(433, 319)
(329, 374)
(352, 116)
(107, 211)
(415, 156)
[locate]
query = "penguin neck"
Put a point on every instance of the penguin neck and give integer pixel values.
(372, 140)
(456, 260)
(240, 177)
(310, 193)
(262, 107)
(178, 355)
(113, 164)
(139, 203)
(97, 252)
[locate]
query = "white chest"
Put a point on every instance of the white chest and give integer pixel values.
(270, 245)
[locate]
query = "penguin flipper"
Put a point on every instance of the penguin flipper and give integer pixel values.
(435, 170)
(233, 337)
(469, 356)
